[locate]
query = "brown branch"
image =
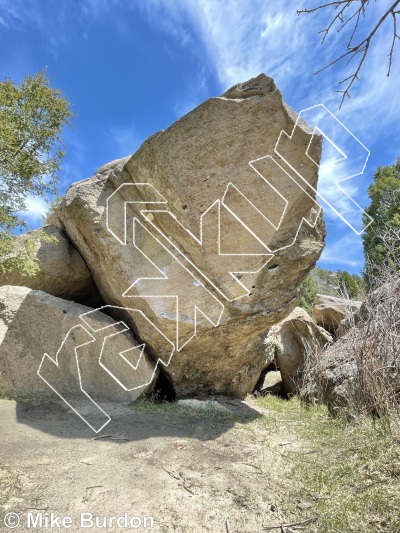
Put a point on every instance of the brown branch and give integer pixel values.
(293, 524)
(360, 10)
(322, 6)
(395, 36)
(363, 47)
(338, 16)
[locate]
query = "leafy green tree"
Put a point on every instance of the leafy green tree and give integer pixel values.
(348, 284)
(381, 239)
(47, 218)
(32, 117)
(310, 290)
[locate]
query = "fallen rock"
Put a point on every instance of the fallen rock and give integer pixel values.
(62, 271)
(332, 381)
(33, 323)
(288, 342)
(360, 372)
(329, 311)
(137, 223)
(352, 320)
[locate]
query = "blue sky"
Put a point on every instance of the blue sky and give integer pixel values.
(132, 67)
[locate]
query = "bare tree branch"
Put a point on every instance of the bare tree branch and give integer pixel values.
(344, 18)
(395, 36)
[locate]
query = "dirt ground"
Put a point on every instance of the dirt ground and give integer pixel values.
(190, 470)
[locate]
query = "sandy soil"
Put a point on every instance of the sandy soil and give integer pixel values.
(191, 471)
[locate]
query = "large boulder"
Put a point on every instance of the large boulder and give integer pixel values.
(83, 345)
(288, 343)
(329, 311)
(163, 231)
(61, 270)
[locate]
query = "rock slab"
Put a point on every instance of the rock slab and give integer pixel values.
(62, 271)
(83, 347)
(329, 311)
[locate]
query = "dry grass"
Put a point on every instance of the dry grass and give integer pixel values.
(353, 481)
(350, 480)
(345, 477)
(371, 350)
(10, 482)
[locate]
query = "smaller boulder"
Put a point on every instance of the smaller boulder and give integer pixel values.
(332, 378)
(62, 271)
(87, 351)
(287, 343)
(352, 320)
(360, 372)
(329, 311)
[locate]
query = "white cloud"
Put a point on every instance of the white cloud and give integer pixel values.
(243, 38)
(236, 40)
(14, 12)
(346, 251)
(36, 207)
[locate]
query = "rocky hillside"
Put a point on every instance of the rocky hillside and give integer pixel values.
(338, 284)
(326, 280)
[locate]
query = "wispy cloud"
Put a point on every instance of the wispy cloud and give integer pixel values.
(346, 251)
(243, 38)
(36, 207)
(234, 40)
(51, 19)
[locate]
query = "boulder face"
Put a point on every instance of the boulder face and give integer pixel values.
(287, 344)
(208, 233)
(270, 382)
(33, 323)
(360, 372)
(334, 374)
(62, 271)
(329, 311)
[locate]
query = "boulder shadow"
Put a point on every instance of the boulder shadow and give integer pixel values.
(141, 420)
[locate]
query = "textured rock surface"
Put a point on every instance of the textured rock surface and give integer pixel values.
(360, 372)
(288, 342)
(335, 372)
(33, 322)
(62, 271)
(329, 311)
(270, 383)
(195, 169)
